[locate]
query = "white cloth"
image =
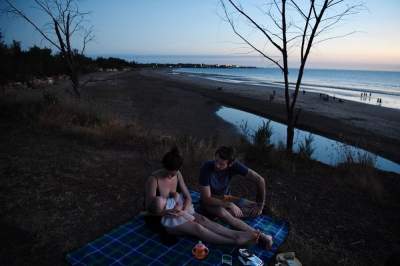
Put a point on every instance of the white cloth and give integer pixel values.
(171, 221)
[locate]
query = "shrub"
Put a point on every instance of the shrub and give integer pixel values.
(256, 146)
(359, 157)
(262, 136)
(306, 148)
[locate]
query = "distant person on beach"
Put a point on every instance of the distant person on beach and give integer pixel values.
(168, 199)
(215, 177)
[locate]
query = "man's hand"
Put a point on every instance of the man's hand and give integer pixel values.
(255, 210)
(237, 212)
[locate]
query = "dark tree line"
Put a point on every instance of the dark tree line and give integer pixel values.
(21, 65)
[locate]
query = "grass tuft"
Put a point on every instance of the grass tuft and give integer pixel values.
(306, 148)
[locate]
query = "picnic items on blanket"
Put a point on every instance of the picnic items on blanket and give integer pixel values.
(287, 259)
(248, 258)
(226, 259)
(200, 251)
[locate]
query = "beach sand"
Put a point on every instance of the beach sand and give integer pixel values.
(371, 127)
(159, 105)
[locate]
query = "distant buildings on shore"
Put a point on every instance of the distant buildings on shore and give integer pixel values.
(187, 65)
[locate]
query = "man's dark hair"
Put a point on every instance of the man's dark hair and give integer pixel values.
(172, 160)
(226, 153)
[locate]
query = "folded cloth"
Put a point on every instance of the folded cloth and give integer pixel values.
(172, 221)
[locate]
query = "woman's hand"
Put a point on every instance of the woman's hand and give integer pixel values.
(178, 207)
(173, 213)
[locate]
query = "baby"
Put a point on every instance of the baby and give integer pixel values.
(179, 216)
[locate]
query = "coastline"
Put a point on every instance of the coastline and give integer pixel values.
(373, 128)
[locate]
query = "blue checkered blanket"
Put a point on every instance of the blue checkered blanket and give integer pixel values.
(134, 244)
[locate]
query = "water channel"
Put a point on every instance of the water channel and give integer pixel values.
(326, 150)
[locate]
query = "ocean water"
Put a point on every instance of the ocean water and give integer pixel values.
(344, 84)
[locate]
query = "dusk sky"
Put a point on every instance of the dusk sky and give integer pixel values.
(193, 31)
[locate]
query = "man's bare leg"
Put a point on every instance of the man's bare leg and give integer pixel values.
(227, 217)
(247, 207)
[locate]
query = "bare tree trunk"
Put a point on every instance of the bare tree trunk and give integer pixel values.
(289, 109)
(68, 57)
(289, 133)
(74, 76)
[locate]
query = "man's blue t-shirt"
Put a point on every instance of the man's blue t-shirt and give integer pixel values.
(219, 180)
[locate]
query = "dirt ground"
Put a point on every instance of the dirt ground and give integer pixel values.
(59, 191)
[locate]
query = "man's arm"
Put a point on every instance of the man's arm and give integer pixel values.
(208, 199)
(260, 187)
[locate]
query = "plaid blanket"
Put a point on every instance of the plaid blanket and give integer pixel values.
(134, 244)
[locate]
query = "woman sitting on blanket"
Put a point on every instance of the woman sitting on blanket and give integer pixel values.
(176, 209)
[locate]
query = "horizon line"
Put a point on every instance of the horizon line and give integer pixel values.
(357, 66)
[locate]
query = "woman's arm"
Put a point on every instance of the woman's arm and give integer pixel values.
(185, 192)
(150, 195)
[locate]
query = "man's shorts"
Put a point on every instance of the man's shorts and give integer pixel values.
(238, 201)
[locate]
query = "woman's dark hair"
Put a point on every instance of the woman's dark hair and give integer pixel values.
(226, 153)
(172, 160)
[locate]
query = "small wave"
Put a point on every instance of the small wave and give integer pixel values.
(304, 85)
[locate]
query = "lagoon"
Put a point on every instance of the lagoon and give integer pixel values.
(327, 151)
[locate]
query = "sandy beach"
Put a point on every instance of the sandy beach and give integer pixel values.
(371, 127)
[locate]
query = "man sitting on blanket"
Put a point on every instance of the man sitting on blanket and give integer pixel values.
(215, 177)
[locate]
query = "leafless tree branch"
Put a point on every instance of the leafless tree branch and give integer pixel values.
(14, 10)
(335, 37)
(228, 18)
(253, 22)
(65, 20)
